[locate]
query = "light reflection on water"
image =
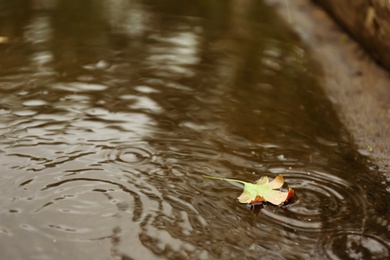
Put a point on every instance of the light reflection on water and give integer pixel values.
(111, 113)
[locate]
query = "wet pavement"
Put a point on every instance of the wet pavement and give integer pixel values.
(358, 87)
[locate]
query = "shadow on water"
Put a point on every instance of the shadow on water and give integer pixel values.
(111, 111)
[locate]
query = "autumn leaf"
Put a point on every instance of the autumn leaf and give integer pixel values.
(262, 191)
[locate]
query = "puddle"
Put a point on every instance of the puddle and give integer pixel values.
(115, 109)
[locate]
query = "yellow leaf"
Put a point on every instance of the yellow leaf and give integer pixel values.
(262, 191)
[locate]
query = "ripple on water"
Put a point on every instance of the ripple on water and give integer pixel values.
(322, 200)
(129, 155)
(351, 245)
(84, 206)
(25, 113)
(34, 103)
(75, 87)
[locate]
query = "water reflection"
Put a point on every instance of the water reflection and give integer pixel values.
(172, 56)
(127, 17)
(111, 111)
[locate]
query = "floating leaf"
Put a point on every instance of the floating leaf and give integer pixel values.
(262, 191)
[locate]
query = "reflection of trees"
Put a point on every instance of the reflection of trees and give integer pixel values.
(201, 55)
(13, 17)
(126, 17)
(79, 33)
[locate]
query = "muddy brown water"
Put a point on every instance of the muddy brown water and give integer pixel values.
(111, 112)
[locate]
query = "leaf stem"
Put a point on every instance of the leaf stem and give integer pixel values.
(224, 179)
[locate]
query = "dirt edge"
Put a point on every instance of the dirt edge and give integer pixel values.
(367, 21)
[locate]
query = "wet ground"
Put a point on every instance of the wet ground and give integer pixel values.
(357, 86)
(111, 112)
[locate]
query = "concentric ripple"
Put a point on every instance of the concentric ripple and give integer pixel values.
(130, 155)
(352, 245)
(66, 206)
(322, 200)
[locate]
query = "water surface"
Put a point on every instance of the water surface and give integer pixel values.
(111, 112)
